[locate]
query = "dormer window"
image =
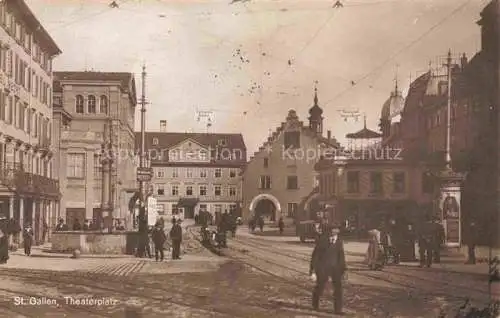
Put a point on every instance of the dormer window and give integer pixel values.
(155, 141)
(222, 142)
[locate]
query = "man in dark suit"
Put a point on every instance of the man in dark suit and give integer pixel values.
(328, 261)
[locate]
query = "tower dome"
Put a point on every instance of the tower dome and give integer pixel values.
(315, 115)
(393, 106)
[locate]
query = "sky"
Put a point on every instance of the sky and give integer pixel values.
(250, 62)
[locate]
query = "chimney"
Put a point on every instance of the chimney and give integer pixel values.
(163, 126)
(463, 61)
(329, 135)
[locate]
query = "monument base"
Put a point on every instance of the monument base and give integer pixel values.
(92, 242)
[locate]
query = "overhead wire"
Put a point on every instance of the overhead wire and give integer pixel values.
(397, 53)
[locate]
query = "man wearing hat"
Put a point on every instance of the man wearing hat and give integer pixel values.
(328, 261)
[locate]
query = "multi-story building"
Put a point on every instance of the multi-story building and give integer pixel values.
(474, 139)
(280, 175)
(29, 191)
(96, 155)
(195, 171)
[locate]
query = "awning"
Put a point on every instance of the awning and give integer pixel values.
(187, 202)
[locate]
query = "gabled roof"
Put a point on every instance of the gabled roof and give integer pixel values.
(167, 140)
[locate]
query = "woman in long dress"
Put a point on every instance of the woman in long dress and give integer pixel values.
(4, 247)
(375, 253)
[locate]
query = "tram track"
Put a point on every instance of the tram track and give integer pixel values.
(397, 278)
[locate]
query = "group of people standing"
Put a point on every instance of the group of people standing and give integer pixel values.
(159, 238)
(9, 231)
(256, 221)
(385, 244)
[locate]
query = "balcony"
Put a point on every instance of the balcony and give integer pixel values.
(22, 182)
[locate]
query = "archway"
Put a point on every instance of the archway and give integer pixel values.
(265, 205)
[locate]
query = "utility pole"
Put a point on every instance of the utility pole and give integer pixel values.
(144, 173)
(448, 114)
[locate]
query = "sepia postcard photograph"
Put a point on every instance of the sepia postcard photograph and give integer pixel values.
(249, 158)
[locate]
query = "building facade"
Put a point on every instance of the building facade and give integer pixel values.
(94, 131)
(365, 193)
(29, 190)
(195, 172)
(421, 132)
(280, 176)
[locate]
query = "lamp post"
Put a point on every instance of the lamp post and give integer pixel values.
(450, 181)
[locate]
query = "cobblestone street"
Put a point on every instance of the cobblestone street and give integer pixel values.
(263, 277)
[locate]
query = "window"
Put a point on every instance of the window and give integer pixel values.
(175, 190)
(189, 173)
(265, 182)
(427, 184)
(292, 139)
(155, 141)
(353, 182)
(160, 189)
(292, 209)
(232, 173)
(175, 173)
(443, 88)
(376, 182)
(203, 190)
(399, 182)
(75, 165)
(103, 105)
(292, 182)
(203, 173)
(203, 155)
(232, 191)
(189, 190)
(97, 168)
(79, 104)
(160, 173)
(175, 209)
(91, 103)
(218, 172)
(217, 190)
(266, 162)
(160, 209)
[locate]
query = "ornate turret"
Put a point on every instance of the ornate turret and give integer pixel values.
(315, 115)
(391, 110)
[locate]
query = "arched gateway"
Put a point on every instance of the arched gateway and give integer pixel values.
(266, 205)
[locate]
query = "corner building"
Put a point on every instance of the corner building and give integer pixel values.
(29, 190)
(93, 127)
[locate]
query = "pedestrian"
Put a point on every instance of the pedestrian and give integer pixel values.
(176, 237)
(77, 226)
(328, 262)
(4, 245)
(44, 230)
(14, 230)
(27, 239)
(471, 240)
(438, 238)
(158, 236)
(251, 225)
(375, 254)
(86, 225)
(147, 243)
(261, 223)
(281, 225)
(61, 226)
(425, 244)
